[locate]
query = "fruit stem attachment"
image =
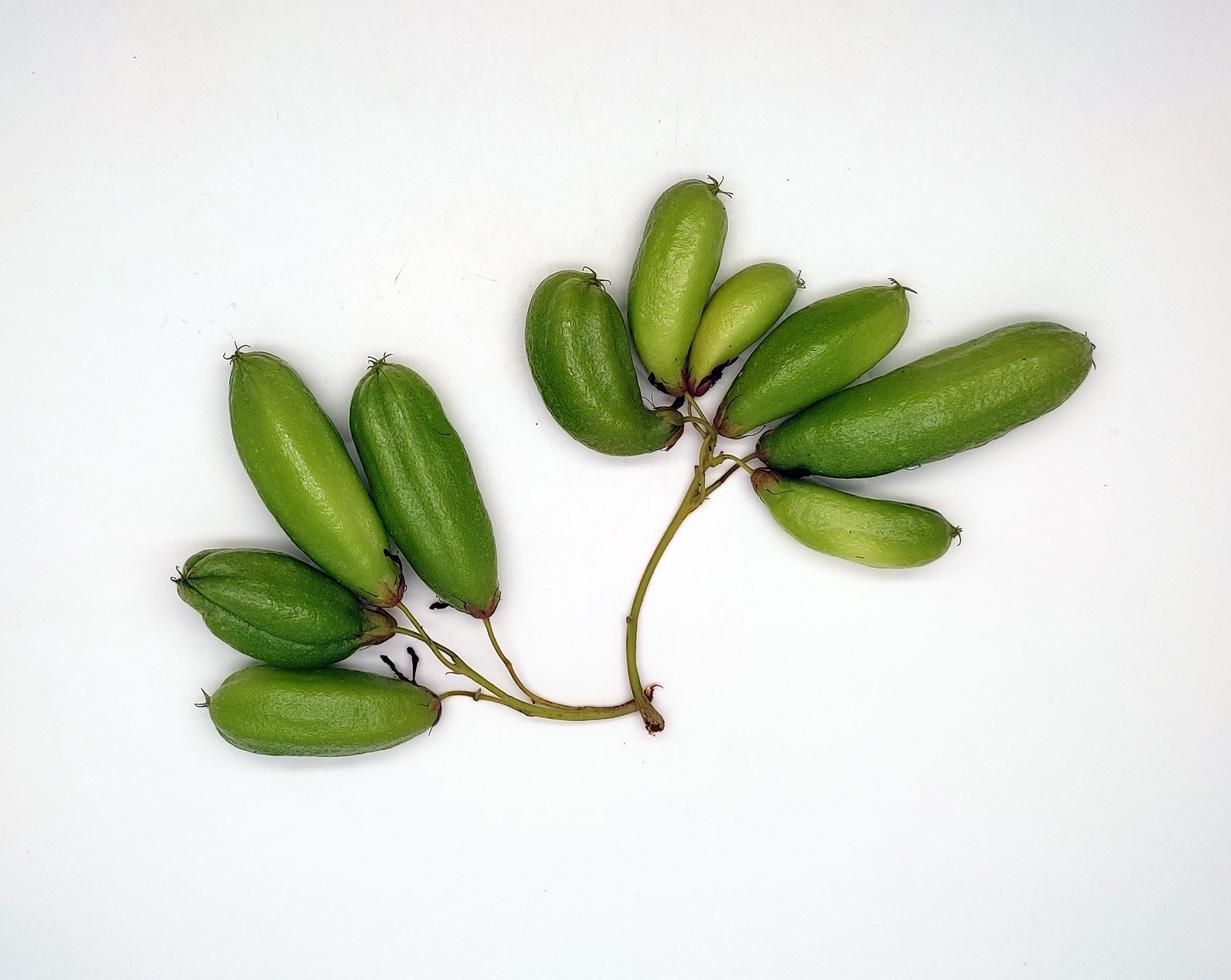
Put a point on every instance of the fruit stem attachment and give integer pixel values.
(697, 416)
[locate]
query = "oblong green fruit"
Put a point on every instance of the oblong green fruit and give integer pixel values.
(278, 609)
(298, 464)
(950, 401)
(814, 352)
(424, 486)
(741, 310)
(880, 533)
(330, 711)
(672, 277)
(579, 355)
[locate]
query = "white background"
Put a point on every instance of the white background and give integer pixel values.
(1011, 763)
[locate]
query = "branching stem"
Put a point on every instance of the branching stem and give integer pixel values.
(455, 664)
(508, 666)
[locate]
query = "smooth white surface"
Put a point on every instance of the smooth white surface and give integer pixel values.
(1012, 763)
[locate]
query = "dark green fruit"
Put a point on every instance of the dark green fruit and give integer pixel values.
(277, 609)
(328, 712)
(813, 353)
(424, 486)
(880, 533)
(579, 354)
(301, 469)
(950, 401)
(741, 310)
(672, 277)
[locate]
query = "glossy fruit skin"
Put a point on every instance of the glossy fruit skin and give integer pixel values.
(424, 487)
(579, 355)
(298, 464)
(331, 711)
(278, 609)
(878, 533)
(672, 277)
(814, 352)
(739, 313)
(945, 403)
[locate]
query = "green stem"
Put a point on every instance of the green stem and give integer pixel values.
(727, 474)
(698, 416)
(449, 658)
(473, 695)
(741, 461)
(694, 497)
(582, 713)
(457, 665)
(508, 666)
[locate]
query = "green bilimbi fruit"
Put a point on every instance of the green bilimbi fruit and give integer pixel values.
(301, 469)
(424, 487)
(581, 361)
(741, 310)
(672, 277)
(880, 533)
(813, 353)
(330, 711)
(950, 401)
(277, 609)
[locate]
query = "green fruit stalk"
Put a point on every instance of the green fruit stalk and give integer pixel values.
(879, 533)
(327, 712)
(739, 313)
(945, 403)
(577, 346)
(672, 277)
(814, 352)
(278, 609)
(424, 487)
(299, 466)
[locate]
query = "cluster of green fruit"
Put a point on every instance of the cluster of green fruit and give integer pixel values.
(421, 490)
(579, 353)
